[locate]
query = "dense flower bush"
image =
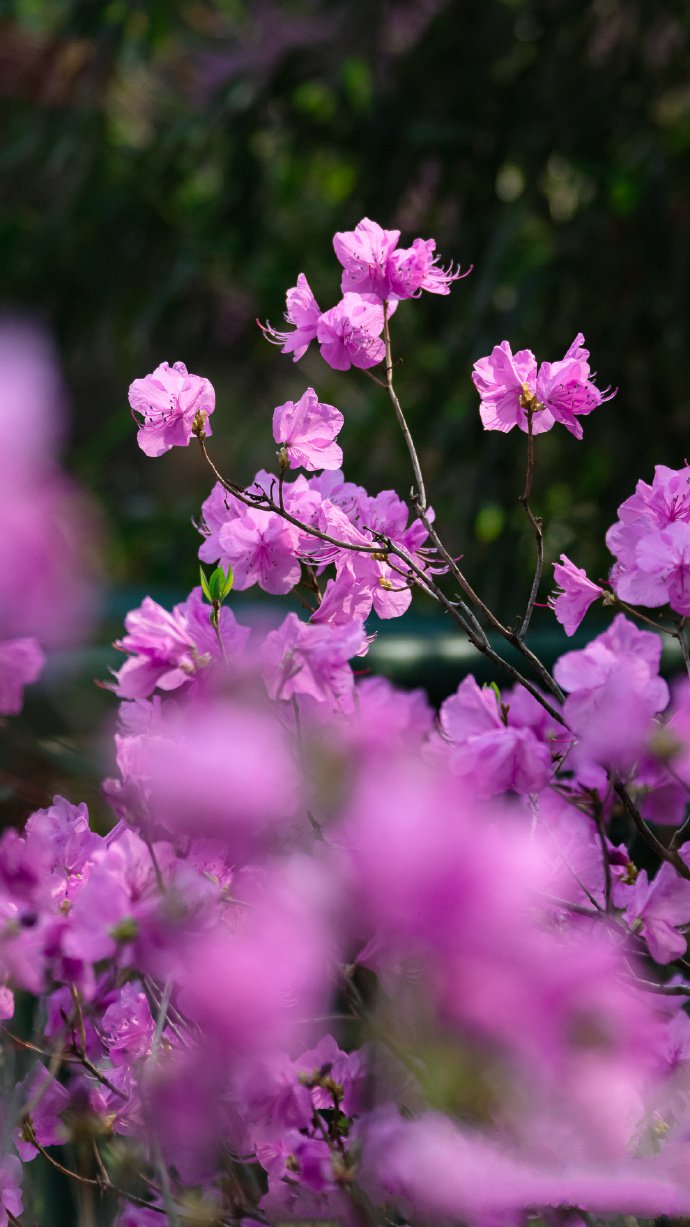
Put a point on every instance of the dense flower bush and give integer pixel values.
(343, 958)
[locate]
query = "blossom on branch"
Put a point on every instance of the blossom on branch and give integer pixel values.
(514, 391)
(167, 405)
(307, 429)
(373, 264)
(576, 594)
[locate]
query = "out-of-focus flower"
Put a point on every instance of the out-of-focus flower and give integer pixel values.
(21, 661)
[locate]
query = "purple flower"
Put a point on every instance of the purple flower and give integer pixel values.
(365, 254)
(635, 539)
(128, 1026)
(165, 405)
(304, 312)
(169, 649)
(349, 334)
(487, 749)
(663, 559)
(566, 389)
(261, 548)
(659, 909)
(505, 381)
(307, 429)
(21, 661)
(614, 692)
(374, 264)
(577, 594)
(511, 387)
(312, 660)
(10, 1188)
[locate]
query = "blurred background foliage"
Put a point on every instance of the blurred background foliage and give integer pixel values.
(168, 167)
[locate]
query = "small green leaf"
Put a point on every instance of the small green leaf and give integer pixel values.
(230, 579)
(216, 584)
(204, 585)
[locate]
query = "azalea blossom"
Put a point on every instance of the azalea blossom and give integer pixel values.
(307, 429)
(349, 334)
(166, 405)
(514, 391)
(374, 264)
(303, 311)
(576, 594)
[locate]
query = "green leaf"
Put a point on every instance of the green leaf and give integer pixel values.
(219, 585)
(204, 585)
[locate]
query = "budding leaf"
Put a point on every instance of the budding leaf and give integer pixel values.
(229, 581)
(204, 585)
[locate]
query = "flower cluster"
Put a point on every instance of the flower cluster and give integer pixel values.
(377, 275)
(515, 391)
(341, 957)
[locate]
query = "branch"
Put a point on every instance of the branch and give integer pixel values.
(416, 467)
(671, 855)
(536, 525)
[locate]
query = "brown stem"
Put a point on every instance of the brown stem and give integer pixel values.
(536, 526)
(608, 882)
(680, 636)
(510, 636)
(414, 458)
(610, 598)
(671, 855)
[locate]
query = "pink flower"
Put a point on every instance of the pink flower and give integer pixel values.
(614, 692)
(663, 558)
(312, 660)
(21, 661)
(169, 649)
(349, 334)
(566, 389)
(165, 405)
(10, 1188)
(503, 381)
(373, 264)
(487, 748)
(303, 311)
(262, 549)
(307, 429)
(642, 519)
(659, 909)
(510, 385)
(577, 594)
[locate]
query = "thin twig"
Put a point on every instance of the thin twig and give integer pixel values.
(414, 458)
(535, 522)
(671, 854)
(610, 598)
(506, 633)
(680, 636)
(608, 882)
